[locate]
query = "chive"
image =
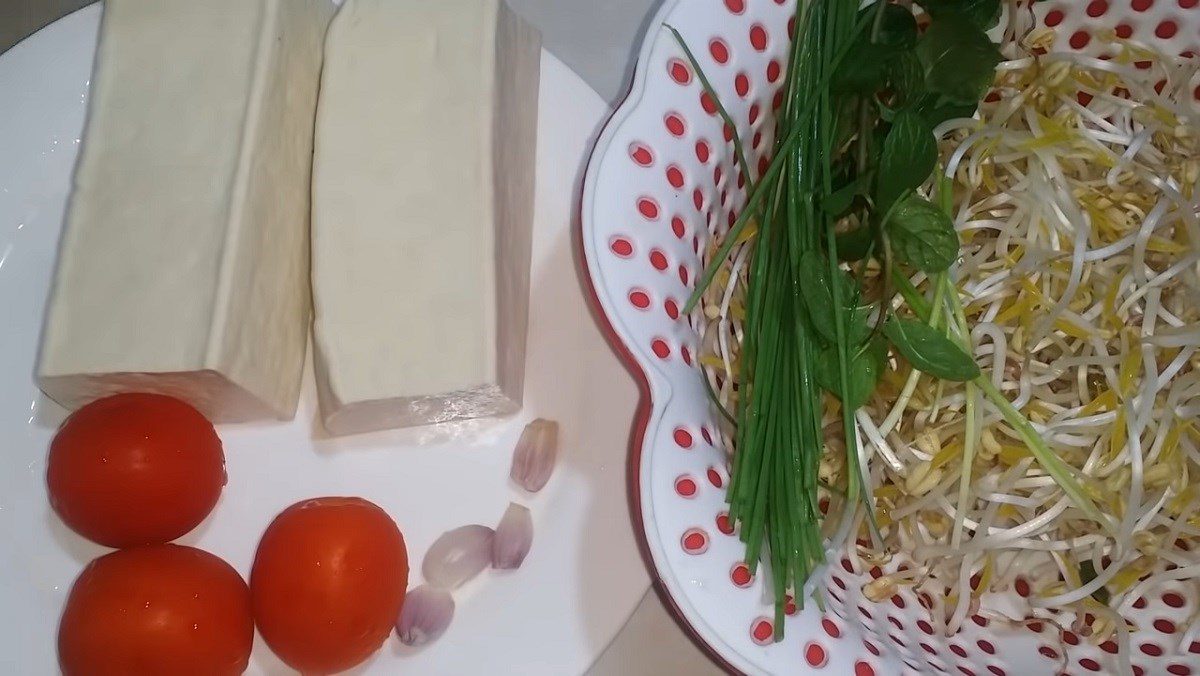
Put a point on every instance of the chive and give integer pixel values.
(778, 438)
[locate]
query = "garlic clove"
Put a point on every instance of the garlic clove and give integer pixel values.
(535, 455)
(514, 537)
(458, 555)
(425, 615)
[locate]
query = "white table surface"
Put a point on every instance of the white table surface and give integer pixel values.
(598, 39)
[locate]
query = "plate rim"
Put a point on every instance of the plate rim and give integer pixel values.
(87, 18)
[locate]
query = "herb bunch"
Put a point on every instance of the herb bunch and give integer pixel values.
(864, 91)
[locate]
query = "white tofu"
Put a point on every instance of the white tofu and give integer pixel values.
(183, 267)
(422, 212)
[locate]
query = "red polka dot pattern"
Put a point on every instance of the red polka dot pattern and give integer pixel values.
(675, 176)
(680, 71)
(641, 154)
(715, 478)
(740, 576)
(694, 541)
(741, 84)
(648, 208)
(660, 348)
(621, 247)
(719, 50)
(658, 260)
(1078, 23)
(685, 486)
(675, 124)
(762, 631)
(639, 299)
(683, 438)
(815, 655)
(724, 525)
(758, 37)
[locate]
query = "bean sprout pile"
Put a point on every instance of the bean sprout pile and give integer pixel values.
(1076, 192)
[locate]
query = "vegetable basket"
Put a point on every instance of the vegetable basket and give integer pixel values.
(662, 181)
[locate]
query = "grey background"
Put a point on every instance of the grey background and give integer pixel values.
(597, 39)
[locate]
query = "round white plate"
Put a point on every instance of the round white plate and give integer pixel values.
(553, 616)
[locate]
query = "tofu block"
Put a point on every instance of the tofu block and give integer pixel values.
(183, 267)
(423, 187)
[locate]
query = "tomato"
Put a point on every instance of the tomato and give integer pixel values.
(327, 583)
(135, 469)
(160, 609)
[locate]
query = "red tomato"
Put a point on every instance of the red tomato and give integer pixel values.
(327, 583)
(161, 609)
(135, 469)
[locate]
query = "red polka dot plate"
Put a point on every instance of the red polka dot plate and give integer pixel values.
(660, 184)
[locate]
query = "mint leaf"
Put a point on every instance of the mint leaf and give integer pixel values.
(853, 245)
(922, 235)
(864, 72)
(929, 350)
(839, 201)
(909, 155)
(865, 369)
(983, 13)
(907, 76)
(898, 28)
(818, 298)
(959, 59)
(935, 110)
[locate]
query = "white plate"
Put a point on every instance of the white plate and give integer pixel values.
(584, 576)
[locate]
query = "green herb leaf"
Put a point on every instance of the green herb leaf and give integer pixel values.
(853, 245)
(929, 350)
(865, 369)
(922, 235)
(934, 109)
(866, 72)
(818, 296)
(840, 200)
(1087, 573)
(983, 13)
(907, 76)
(858, 327)
(898, 29)
(959, 59)
(909, 155)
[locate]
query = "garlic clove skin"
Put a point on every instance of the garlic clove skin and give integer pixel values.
(514, 538)
(425, 615)
(535, 455)
(458, 556)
